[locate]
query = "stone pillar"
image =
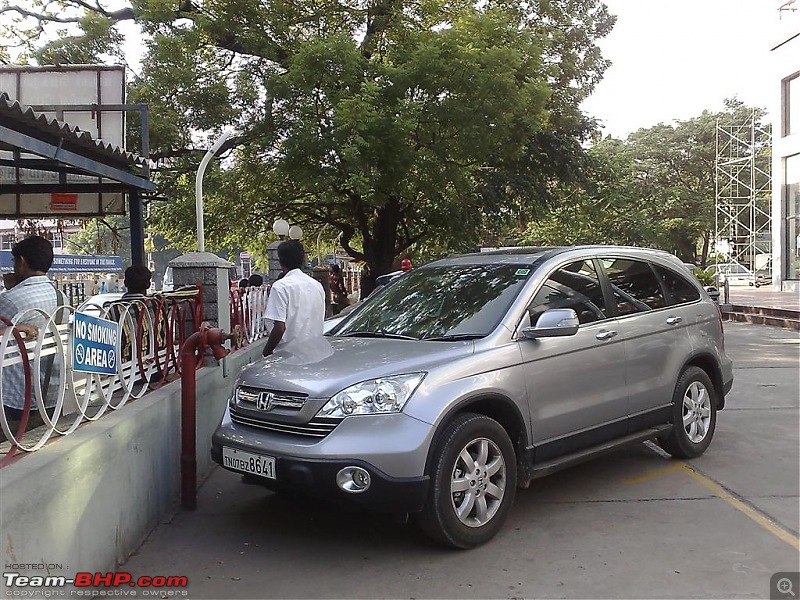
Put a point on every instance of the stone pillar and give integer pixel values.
(213, 273)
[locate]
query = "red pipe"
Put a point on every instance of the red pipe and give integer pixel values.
(198, 341)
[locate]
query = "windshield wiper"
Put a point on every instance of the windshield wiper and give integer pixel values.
(455, 337)
(378, 334)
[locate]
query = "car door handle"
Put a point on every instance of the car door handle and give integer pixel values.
(605, 335)
(674, 320)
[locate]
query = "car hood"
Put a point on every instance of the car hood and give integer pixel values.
(327, 365)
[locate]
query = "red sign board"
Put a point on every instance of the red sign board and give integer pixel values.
(64, 202)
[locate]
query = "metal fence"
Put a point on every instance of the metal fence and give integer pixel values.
(248, 307)
(57, 399)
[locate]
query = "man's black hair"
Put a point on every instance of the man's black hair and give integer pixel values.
(37, 252)
(291, 254)
(137, 279)
(243, 283)
(256, 280)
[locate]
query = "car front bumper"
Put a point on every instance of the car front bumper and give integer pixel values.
(391, 448)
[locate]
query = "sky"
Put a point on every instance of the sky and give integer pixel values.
(673, 59)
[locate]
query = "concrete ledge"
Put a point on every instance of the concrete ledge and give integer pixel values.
(87, 501)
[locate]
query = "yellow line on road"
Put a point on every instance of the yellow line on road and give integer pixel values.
(654, 474)
(756, 516)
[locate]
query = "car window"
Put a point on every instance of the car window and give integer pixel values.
(635, 285)
(574, 286)
(439, 301)
(679, 290)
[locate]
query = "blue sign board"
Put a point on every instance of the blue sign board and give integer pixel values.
(72, 263)
(94, 345)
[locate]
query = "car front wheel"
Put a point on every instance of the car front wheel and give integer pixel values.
(473, 482)
(694, 414)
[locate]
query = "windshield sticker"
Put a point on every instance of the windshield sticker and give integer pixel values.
(522, 272)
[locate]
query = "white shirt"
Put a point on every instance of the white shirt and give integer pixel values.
(298, 301)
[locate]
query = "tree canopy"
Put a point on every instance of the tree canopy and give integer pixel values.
(656, 188)
(392, 122)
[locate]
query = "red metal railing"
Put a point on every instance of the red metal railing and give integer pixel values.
(152, 331)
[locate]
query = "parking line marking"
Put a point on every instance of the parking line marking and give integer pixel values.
(765, 522)
(654, 474)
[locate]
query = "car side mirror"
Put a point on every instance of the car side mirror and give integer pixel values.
(556, 322)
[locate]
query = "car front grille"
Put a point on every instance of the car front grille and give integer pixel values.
(316, 428)
(279, 411)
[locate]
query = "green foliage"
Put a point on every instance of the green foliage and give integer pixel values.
(656, 188)
(396, 123)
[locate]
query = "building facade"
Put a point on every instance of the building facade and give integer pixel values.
(786, 154)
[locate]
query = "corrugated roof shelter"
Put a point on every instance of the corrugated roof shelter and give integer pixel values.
(46, 165)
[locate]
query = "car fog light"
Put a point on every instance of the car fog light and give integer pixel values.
(353, 480)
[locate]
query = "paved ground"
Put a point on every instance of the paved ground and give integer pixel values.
(632, 525)
(764, 297)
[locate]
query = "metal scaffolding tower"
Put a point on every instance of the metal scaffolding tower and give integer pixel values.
(744, 192)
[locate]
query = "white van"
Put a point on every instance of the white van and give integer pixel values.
(733, 272)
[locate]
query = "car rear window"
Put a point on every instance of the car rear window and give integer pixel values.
(679, 290)
(635, 285)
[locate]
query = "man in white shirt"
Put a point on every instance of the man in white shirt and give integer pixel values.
(296, 302)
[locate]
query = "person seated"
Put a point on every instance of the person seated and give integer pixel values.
(137, 281)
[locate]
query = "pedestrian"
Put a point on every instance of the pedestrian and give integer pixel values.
(103, 287)
(296, 303)
(137, 281)
(255, 280)
(339, 298)
(30, 291)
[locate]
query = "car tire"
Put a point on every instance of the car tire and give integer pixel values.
(473, 482)
(694, 414)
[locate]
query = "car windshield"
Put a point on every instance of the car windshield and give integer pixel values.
(441, 303)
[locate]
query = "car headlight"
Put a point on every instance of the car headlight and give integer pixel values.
(374, 397)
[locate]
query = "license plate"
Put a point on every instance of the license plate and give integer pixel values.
(254, 464)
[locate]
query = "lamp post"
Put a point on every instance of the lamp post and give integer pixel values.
(198, 184)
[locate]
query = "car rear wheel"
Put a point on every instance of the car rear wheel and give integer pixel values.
(694, 414)
(473, 482)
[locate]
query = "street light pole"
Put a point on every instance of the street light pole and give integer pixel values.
(198, 184)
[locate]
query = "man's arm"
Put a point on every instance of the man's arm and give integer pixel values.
(275, 336)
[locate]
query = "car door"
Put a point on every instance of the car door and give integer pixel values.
(576, 384)
(657, 342)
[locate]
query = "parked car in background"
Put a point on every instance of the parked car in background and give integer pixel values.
(96, 305)
(732, 272)
(469, 377)
(762, 277)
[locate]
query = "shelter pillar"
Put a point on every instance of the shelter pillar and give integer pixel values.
(137, 228)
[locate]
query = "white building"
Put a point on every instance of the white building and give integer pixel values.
(11, 232)
(786, 152)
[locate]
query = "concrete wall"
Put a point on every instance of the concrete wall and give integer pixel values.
(87, 501)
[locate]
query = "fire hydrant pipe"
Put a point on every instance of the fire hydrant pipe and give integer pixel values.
(200, 339)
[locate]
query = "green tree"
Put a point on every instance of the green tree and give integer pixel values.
(105, 236)
(395, 122)
(656, 188)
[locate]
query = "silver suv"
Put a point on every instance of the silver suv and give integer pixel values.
(469, 377)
